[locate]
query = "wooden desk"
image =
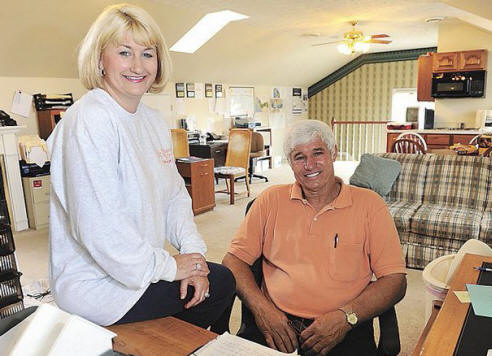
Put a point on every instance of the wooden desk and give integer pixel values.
(165, 336)
(199, 180)
(445, 330)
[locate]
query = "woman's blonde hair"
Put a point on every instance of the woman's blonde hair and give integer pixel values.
(110, 27)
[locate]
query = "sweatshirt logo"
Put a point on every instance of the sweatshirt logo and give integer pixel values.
(165, 156)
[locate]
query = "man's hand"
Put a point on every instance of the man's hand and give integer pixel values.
(324, 333)
(201, 285)
(190, 265)
(274, 325)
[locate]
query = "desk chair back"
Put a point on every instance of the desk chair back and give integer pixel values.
(404, 145)
(413, 136)
(237, 160)
(257, 151)
(180, 143)
(389, 339)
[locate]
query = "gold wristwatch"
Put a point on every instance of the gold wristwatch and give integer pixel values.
(350, 316)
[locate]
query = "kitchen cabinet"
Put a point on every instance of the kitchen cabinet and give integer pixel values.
(198, 175)
(424, 78)
(459, 61)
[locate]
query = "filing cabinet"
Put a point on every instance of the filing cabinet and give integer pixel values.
(37, 196)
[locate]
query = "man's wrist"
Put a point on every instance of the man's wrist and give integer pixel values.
(350, 317)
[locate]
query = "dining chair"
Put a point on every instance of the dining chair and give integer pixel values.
(414, 137)
(474, 140)
(237, 161)
(180, 143)
(405, 145)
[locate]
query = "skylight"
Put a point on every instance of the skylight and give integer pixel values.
(205, 29)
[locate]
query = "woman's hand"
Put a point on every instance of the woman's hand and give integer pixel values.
(201, 286)
(190, 265)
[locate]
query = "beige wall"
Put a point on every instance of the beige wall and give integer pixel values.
(455, 35)
(165, 102)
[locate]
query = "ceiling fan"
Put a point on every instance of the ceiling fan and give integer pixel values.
(355, 41)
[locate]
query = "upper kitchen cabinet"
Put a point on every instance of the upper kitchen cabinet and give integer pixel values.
(459, 61)
(473, 60)
(424, 78)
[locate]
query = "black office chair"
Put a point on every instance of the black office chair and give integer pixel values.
(389, 339)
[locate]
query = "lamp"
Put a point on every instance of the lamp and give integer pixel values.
(350, 47)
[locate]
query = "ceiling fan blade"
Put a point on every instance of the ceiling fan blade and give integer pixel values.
(326, 43)
(381, 35)
(379, 41)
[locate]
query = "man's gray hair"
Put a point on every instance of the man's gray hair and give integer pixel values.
(305, 131)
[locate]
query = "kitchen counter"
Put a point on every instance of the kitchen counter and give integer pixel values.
(445, 131)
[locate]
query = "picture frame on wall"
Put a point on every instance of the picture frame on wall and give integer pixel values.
(190, 90)
(209, 90)
(180, 90)
(296, 91)
(218, 91)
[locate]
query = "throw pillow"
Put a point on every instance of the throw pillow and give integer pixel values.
(376, 173)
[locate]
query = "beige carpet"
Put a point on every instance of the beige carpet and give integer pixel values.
(217, 227)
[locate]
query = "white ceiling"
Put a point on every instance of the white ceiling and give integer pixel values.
(40, 38)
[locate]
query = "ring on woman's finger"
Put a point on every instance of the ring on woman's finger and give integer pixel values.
(198, 266)
(207, 294)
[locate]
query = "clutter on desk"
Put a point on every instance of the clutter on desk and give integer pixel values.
(33, 149)
(51, 331)
(52, 101)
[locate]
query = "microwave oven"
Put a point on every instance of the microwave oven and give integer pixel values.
(458, 84)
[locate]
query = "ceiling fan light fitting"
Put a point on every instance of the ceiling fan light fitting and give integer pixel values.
(361, 47)
(344, 48)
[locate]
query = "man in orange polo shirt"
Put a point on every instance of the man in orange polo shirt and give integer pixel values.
(321, 242)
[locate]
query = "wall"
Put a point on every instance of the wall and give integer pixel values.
(363, 95)
(8, 86)
(455, 35)
(198, 108)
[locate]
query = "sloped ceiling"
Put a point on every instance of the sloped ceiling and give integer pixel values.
(40, 38)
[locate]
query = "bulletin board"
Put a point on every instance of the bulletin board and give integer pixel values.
(242, 100)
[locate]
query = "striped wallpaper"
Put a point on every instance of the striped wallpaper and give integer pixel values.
(363, 95)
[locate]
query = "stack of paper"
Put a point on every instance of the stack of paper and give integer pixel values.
(52, 332)
(230, 345)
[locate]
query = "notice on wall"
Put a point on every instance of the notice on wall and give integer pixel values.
(21, 104)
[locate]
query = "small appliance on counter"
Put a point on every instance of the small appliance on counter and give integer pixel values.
(483, 120)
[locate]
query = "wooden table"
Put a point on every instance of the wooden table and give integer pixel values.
(442, 151)
(444, 332)
(165, 336)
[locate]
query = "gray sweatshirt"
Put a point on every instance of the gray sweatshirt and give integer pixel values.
(116, 197)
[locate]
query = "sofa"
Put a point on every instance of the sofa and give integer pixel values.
(438, 202)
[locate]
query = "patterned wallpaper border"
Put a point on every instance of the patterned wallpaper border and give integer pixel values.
(380, 57)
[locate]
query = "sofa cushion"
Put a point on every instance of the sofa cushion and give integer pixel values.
(486, 228)
(402, 212)
(376, 173)
(458, 181)
(409, 186)
(448, 222)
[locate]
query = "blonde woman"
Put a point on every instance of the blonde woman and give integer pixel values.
(117, 195)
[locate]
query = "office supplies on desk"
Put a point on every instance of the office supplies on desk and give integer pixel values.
(228, 345)
(481, 299)
(462, 296)
(335, 240)
(483, 269)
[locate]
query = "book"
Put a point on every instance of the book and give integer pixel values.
(231, 345)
